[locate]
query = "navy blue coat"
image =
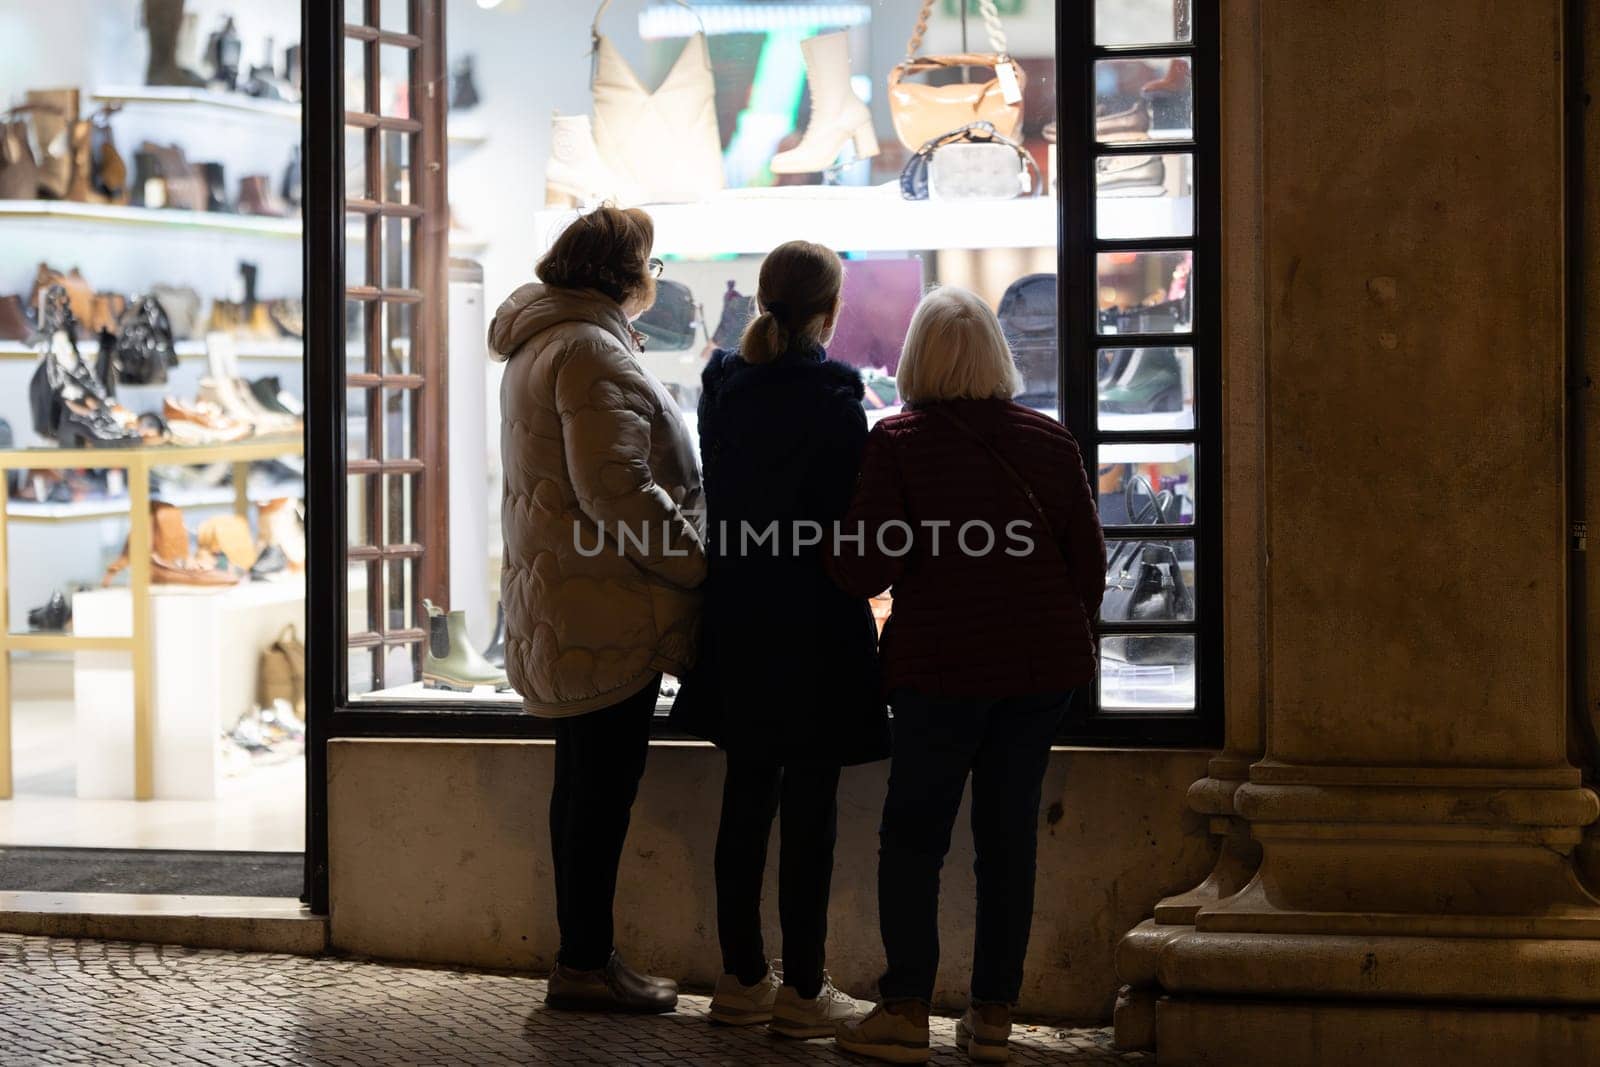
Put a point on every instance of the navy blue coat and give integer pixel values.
(788, 661)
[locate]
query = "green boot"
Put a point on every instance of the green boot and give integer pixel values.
(1156, 384)
(451, 661)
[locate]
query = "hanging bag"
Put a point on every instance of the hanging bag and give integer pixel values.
(924, 112)
(666, 142)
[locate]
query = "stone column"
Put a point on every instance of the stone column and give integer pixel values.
(1414, 806)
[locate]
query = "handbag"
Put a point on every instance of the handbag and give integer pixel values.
(982, 165)
(1028, 318)
(666, 142)
(1144, 579)
(671, 320)
(922, 112)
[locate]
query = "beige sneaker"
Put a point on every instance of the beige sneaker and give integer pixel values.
(795, 1016)
(985, 1032)
(744, 1005)
(892, 1033)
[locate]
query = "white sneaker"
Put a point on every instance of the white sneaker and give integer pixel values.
(744, 1005)
(795, 1016)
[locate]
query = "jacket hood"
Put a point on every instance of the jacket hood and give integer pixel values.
(535, 308)
(726, 374)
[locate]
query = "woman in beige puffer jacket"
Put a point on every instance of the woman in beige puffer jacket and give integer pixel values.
(603, 557)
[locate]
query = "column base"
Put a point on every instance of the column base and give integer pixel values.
(1244, 1033)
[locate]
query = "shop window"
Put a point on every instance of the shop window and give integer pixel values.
(472, 134)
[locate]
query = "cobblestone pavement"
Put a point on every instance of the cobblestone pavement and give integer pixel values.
(112, 1003)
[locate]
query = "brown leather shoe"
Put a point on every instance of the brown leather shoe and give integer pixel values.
(14, 324)
(614, 987)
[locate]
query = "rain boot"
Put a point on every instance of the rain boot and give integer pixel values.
(451, 662)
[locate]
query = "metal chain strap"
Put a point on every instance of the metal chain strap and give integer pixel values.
(991, 23)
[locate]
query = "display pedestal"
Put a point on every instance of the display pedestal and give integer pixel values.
(205, 648)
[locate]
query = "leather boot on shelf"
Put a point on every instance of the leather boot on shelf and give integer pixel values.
(80, 188)
(451, 662)
(215, 181)
(837, 114)
(279, 524)
(1171, 97)
(1130, 176)
(19, 171)
(228, 536)
(164, 20)
(147, 189)
(14, 322)
(257, 197)
(576, 175)
(54, 113)
(110, 169)
(1153, 382)
(171, 561)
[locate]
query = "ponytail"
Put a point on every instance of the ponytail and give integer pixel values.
(800, 285)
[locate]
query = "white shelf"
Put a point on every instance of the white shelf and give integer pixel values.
(286, 349)
(100, 216)
(237, 105)
(851, 220)
(117, 507)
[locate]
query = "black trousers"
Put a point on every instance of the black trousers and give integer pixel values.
(1004, 745)
(599, 760)
(753, 792)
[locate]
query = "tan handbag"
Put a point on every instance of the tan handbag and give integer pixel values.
(666, 142)
(924, 112)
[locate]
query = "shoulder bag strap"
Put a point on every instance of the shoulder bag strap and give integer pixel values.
(991, 24)
(594, 29)
(1011, 472)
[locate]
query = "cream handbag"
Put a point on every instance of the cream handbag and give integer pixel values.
(666, 142)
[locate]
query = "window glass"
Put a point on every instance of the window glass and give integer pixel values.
(1122, 23)
(792, 128)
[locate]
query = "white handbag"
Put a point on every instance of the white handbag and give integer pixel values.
(666, 142)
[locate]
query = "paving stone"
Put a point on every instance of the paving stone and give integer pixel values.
(75, 1002)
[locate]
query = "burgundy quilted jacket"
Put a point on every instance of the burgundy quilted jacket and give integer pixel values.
(967, 623)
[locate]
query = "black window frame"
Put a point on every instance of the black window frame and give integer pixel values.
(333, 715)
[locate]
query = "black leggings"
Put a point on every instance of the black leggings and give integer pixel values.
(599, 760)
(752, 794)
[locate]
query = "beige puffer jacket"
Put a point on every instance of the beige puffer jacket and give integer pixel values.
(590, 439)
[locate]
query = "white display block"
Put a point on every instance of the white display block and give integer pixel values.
(206, 646)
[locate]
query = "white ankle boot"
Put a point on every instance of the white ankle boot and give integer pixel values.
(837, 114)
(576, 175)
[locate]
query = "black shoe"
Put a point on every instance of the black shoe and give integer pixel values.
(496, 652)
(615, 987)
(271, 561)
(266, 392)
(53, 617)
(87, 425)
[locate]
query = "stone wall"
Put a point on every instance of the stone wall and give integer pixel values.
(440, 852)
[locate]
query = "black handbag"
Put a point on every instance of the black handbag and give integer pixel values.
(737, 311)
(914, 176)
(1144, 579)
(670, 323)
(142, 351)
(1028, 319)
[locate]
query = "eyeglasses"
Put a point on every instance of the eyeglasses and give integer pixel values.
(655, 267)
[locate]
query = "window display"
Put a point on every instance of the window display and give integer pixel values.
(152, 552)
(927, 142)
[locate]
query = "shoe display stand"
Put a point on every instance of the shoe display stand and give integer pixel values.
(136, 641)
(205, 645)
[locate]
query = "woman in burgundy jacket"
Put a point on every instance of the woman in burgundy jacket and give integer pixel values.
(977, 512)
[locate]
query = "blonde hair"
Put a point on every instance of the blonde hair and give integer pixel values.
(799, 289)
(956, 350)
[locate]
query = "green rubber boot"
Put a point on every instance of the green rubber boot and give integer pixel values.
(451, 661)
(1155, 385)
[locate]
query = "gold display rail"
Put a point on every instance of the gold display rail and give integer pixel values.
(138, 462)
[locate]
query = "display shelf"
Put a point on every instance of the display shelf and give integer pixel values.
(114, 507)
(415, 693)
(236, 105)
(1177, 421)
(248, 349)
(872, 219)
(101, 216)
(245, 451)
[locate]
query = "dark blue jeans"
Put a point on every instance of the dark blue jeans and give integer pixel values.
(1005, 746)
